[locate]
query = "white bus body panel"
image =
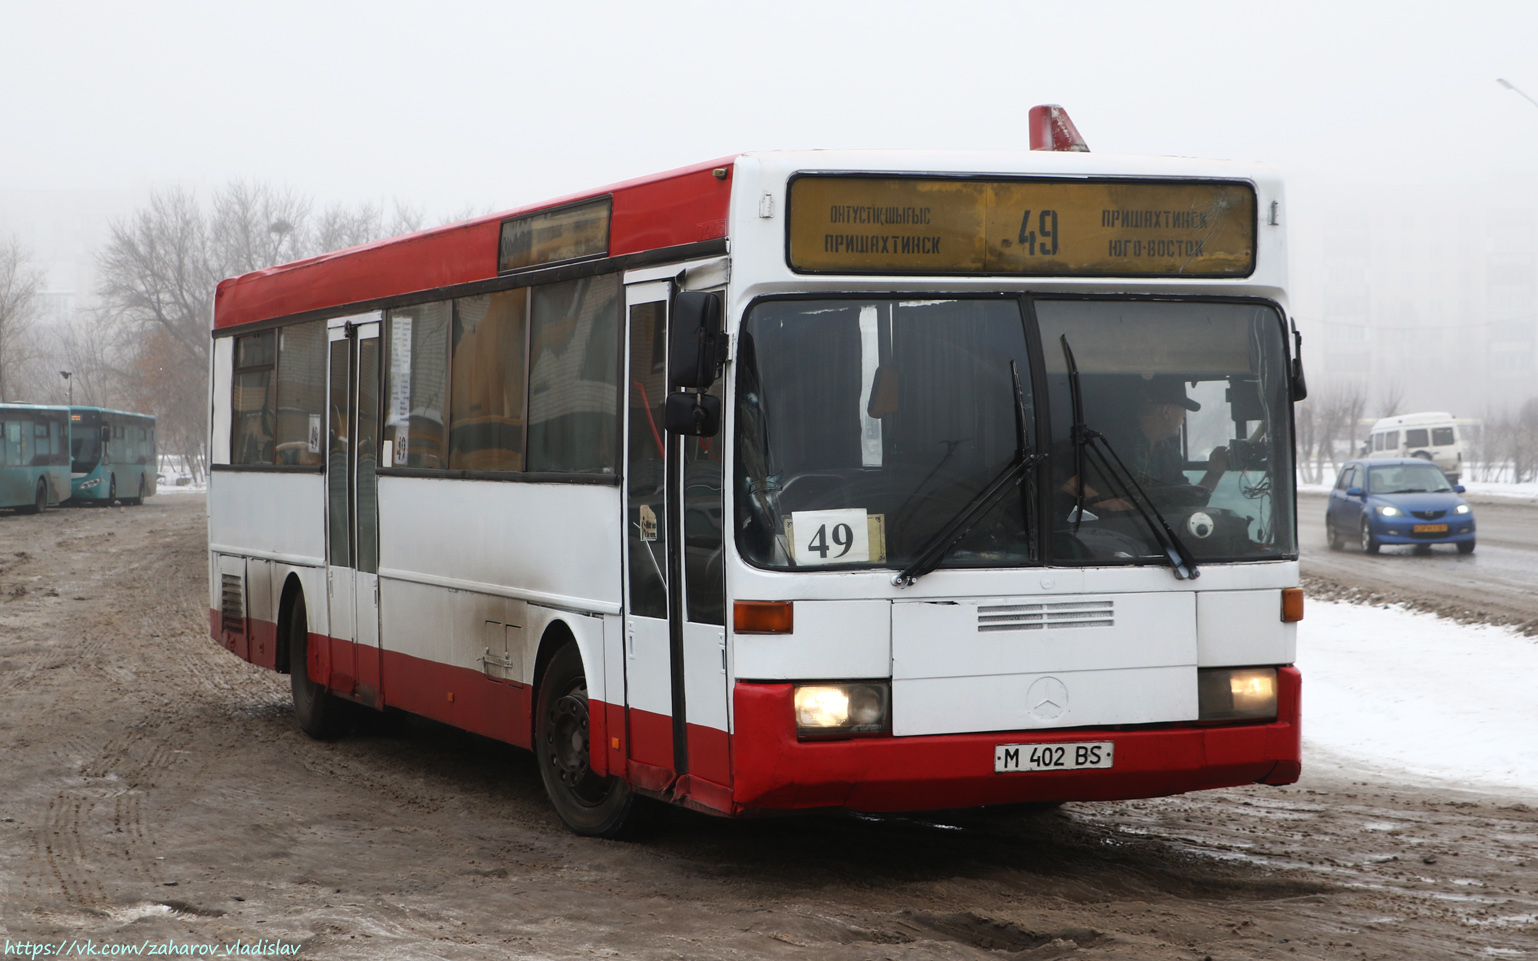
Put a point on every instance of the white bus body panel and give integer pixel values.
(459, 559)
(220, 418)
(1243, 628)
(279, 515)
(832, 640)
(1024, 662)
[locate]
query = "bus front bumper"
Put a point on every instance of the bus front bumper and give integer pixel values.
(774, 771)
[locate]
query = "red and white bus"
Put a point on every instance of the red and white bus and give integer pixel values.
(792, 480)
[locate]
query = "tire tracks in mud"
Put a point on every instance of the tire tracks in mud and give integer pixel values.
(95, 844)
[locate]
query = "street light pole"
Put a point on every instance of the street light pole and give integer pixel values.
(69, 379)
(1514, 89)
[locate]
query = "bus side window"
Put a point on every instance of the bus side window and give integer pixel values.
(300, 398)
(574, 375)
(253, 405)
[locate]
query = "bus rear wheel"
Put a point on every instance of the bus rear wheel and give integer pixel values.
(136, 501)
(320, 715)
(40, 499)
(590, 805)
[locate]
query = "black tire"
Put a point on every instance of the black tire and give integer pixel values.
(111, 491)
(40, 499)
(320, 714)
(590, 805)
(1370, 544)
(1465, 547)
(1333, 536)
(136, 501)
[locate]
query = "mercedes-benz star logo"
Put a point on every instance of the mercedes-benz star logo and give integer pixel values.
(1047, 698)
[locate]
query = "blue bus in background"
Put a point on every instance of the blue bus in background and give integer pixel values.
(112, 456)
(34, 456)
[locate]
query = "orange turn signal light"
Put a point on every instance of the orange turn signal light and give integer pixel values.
(763, 617)
(1292, 604)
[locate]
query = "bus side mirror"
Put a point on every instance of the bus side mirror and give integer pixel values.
(692, 415)
(696, 344)
(1299, 382)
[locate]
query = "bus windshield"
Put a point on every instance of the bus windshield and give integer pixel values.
(865, 427)
(84, 447)
(1185, 407)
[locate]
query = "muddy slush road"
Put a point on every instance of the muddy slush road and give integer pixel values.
(155, 791)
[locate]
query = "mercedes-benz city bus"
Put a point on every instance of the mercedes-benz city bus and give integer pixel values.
(809, 480)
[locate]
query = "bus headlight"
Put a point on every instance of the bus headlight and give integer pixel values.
(1236, 694)
(842, 709)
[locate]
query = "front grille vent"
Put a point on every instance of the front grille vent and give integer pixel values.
(1428, 515)
(1037, 617)
(232, 614)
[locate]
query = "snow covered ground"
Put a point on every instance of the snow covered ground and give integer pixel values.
(1525, 491)
(1412, 694)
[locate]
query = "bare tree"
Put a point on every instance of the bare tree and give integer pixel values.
(159, 271)
(257, 225)
(158, 274)
(1390, 397)
(19, 284)
(1327, 422)
(1307, 422)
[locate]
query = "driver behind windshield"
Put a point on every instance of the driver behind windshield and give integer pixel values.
(1149, 445)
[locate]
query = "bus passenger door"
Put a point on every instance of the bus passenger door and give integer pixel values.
(675, 640)
(352, 513)
(648, 686)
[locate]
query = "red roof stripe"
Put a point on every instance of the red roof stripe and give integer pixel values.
(662, 210)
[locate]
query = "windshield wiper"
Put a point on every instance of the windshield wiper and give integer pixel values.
(1175, 550)
(947, 537)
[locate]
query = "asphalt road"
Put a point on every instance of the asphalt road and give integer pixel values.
(1498, 583)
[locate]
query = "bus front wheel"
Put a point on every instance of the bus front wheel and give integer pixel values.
(320, 715)
(590, 805)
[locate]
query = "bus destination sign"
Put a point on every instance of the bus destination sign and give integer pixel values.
(1050, 228)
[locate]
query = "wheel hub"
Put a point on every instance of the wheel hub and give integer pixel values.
(567, 740)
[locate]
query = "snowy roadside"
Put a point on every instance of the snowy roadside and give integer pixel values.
(1525, 491)
(1414, 694)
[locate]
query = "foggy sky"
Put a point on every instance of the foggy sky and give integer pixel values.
(472, 107)
(492, 104)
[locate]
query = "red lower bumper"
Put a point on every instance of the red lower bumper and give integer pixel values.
(772, 770)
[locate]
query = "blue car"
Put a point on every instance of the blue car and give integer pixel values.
(1404, 501)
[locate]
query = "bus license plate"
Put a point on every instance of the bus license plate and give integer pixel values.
(1070, 756)
(1430, 528)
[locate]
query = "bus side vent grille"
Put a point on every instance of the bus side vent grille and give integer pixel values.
(233, 610)
(1036, 617)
